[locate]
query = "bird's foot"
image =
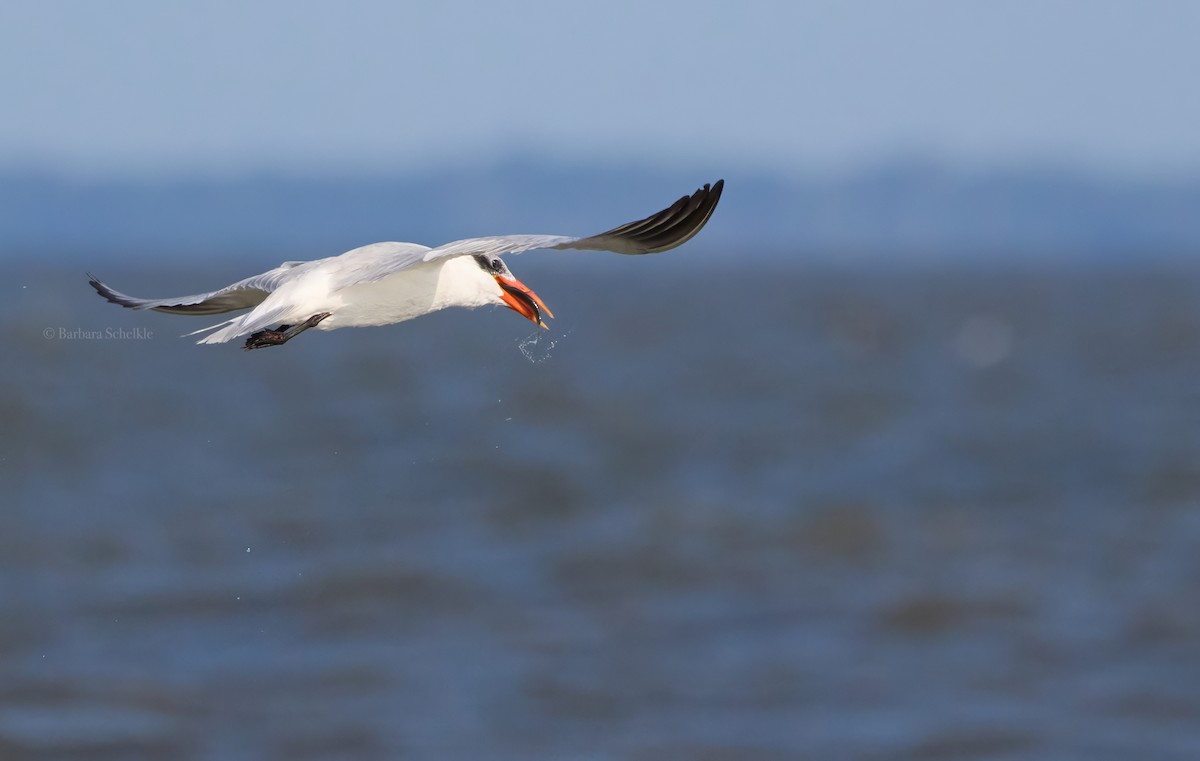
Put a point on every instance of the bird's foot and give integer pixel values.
(283, 333)
(265, 338)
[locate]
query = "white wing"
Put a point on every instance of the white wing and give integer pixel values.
(241, 295)
(665, 230)
(367, 264)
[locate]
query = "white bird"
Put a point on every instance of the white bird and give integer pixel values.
(390, 282)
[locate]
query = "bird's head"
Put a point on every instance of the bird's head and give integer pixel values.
(511, 292)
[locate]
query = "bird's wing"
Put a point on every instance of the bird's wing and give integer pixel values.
(367, 264)
(671, 227)
(241, 295)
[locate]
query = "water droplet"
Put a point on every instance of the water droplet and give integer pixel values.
(537, 346)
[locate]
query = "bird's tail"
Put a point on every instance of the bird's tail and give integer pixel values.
(254, 320)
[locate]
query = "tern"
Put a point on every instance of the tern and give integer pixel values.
(383, 283)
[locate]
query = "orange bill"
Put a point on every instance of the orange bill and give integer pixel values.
(522, 300)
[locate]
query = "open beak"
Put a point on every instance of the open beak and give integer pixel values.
(522, 300)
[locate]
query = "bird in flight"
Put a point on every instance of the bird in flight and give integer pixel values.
(391, 282)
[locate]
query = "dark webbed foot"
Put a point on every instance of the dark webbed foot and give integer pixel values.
(265, 338)
(283, 333)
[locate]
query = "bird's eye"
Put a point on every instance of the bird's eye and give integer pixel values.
(491, 265)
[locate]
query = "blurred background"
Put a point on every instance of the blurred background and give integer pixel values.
(899, 458)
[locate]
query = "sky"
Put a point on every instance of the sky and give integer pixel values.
(149, 87)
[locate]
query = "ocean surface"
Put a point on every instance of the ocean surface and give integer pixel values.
(856, 512)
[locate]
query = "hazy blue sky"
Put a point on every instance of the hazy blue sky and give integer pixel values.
(148, 85)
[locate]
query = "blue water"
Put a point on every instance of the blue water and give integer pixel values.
(802, 513)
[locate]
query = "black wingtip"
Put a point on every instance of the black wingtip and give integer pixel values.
(101, 288)
(671, 227)
(713, 194)
(113, 297)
